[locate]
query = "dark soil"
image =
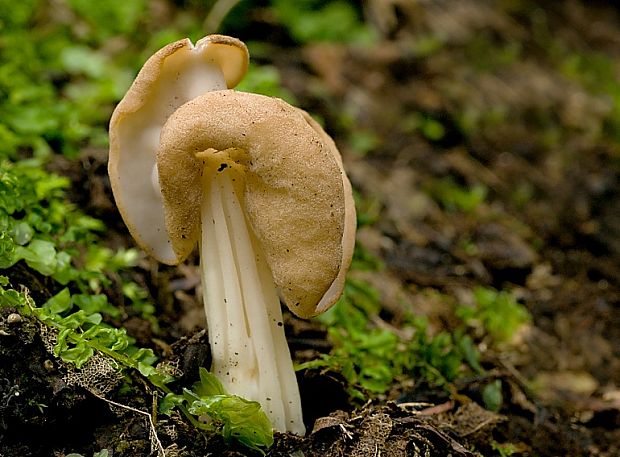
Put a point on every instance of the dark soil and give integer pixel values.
(545, 147)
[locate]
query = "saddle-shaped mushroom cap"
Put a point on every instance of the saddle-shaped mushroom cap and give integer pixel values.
(295, 193)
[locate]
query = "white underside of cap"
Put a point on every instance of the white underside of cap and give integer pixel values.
(184, 76)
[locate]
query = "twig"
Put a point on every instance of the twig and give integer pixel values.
(428, 409)
(153, 435)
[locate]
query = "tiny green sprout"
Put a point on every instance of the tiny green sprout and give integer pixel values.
(454, 197)
(233, 417)
(11, 297)
(40, 406)
(504, 449)
(497, 313)
(492, 395)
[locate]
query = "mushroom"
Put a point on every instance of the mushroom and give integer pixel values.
(260, 187)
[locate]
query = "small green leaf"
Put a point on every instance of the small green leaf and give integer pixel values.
(40, 255)
(146, 370)
(82, 60)
(7, 251)
(79, 355)
(492, 395)
(64, 270)
(12, 298)
(60, 302)
(160, 379)
(79, 318)
(145, 355)
(61, 341)
(208, 385)
(22, 233)
(45, 187)
(498, 311)
(112, 338)
(240, 419)
(95, 304)
(169, 402)
(470, 353)
(432, 129)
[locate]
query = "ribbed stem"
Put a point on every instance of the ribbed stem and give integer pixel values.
(249, 348)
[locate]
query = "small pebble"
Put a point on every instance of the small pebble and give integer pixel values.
(48, 365)
(13, 318)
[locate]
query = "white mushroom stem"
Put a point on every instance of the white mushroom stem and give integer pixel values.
(249, 349)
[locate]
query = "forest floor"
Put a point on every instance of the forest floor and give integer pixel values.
(483, 141)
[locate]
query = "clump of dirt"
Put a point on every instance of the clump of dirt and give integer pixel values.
(38, 411)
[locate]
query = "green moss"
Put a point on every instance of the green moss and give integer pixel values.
(316, 21)
(371, 356)
(495, 313)
(455, 197)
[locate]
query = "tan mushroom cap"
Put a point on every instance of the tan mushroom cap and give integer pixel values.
(172, 76)
(296, 198)
(350, 222)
